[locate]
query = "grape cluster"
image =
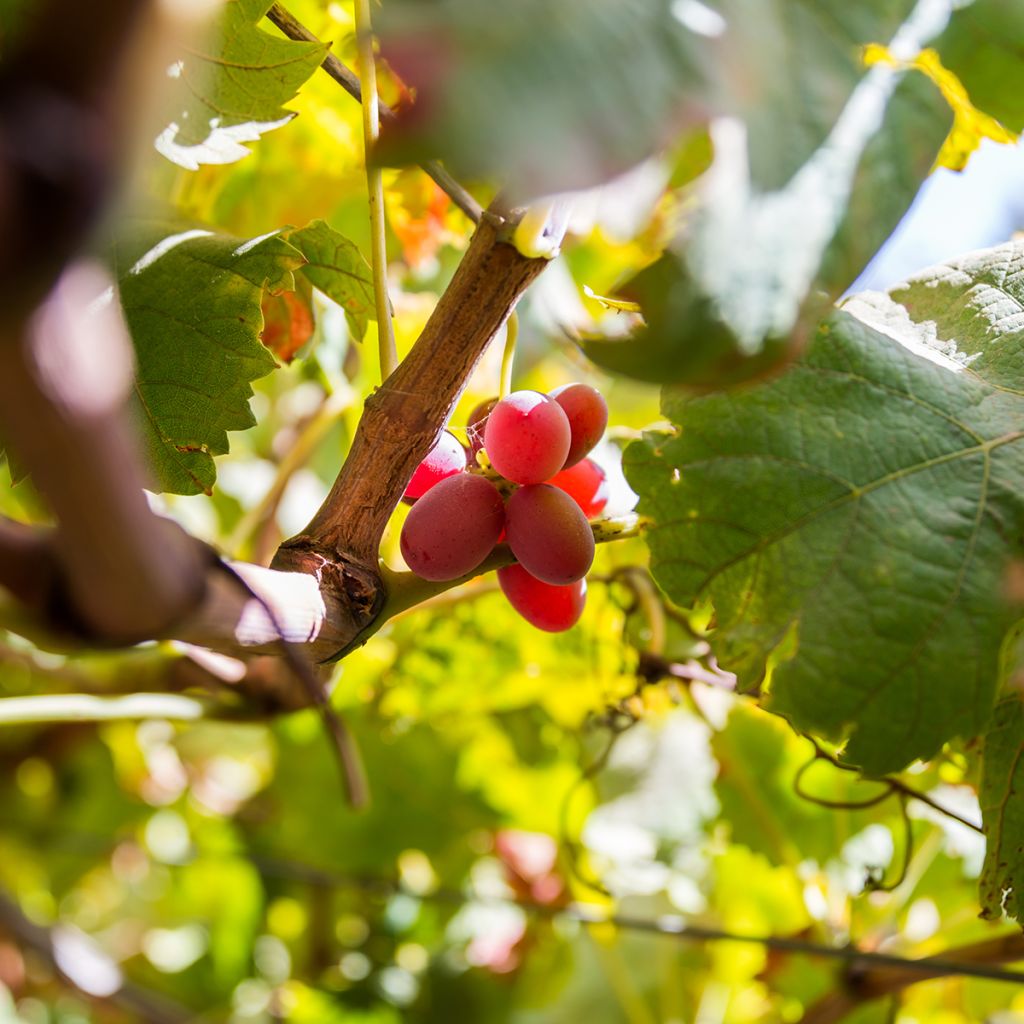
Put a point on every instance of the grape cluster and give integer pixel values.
(538, 443)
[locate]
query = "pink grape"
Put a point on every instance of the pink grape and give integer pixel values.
(587, 413)
(549, 534)
(548, 607)
(527, 437)
(477, 422)
(453, 527)
(587, 485)
(445, 459)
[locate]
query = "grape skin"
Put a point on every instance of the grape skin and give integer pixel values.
(452, 528)
(445, 459)
(553, 609)
(587, 413)
(587, 484)
(549, 534)
(527, 437)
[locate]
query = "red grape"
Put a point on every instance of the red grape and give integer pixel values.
(587, 412)
(549, 534)
(445, 459)
(586, 484)
(476, 423)
(551, 608)
(527, 437)
(453, 527)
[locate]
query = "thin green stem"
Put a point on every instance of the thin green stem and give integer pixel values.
(80, 707)
(375, 187)
(894, 784)
(509, 354)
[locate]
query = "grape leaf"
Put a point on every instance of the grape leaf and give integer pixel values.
(982, 46)
(335, 266)
(727, 301)
(1002, 781)
(549, 103)
(876, 492)
(234, 88)
(192, 303)
(288, 321)
(544, 100)
(967, 310)
(788, 68)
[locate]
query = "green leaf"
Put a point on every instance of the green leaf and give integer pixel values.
(233, 89)
(966, 311)
(788, 67)
(191, 299)
(734, 296)
(982, 47)
(335, 265)
(1002, 781)
(546, 99)
(554, 102)
(687, 337)
(852, 523)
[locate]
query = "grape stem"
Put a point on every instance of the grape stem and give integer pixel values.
(405, 590)
(509, 354)
(375, 186)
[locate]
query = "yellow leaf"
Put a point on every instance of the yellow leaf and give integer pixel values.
(970, 125)
(623, 305)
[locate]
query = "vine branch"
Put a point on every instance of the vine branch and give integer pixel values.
(403, 419)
